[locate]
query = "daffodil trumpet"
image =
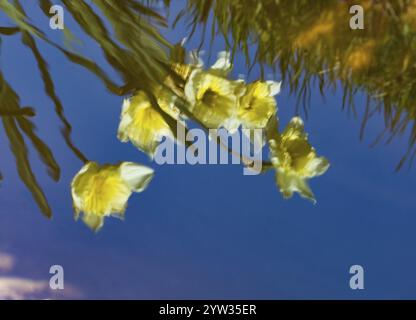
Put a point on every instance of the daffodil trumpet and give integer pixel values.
(100, 191)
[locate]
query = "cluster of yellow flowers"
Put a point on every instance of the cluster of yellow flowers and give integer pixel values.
(214, 101)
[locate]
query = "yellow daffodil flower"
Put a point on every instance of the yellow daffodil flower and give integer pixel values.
(212, 100)
(296, 161)
(102, 191)
(217, 101)
(142, 124)
(258, 104)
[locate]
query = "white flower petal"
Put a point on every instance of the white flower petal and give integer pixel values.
(223, 61)
(126, 105)
(317, 166)
(194, 58)
(190, 87)
(274, 87)
(136, 176)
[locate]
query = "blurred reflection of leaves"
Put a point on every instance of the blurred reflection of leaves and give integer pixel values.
(311, 41)
(137, 51)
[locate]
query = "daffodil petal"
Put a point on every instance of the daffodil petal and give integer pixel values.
(194, 59)
(136, 176)
(295, 127)
(94, 222)
(274, 87)
(317, 166)
(305, 190)
(223, 63)
(289, 183)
